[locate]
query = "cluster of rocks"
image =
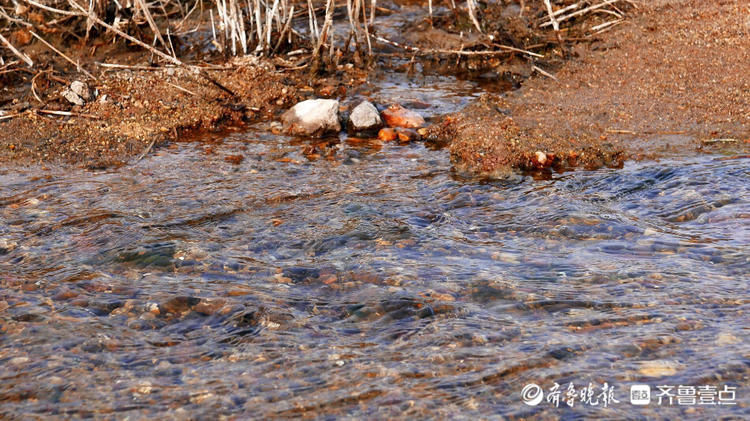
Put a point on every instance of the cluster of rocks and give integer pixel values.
(319, 117)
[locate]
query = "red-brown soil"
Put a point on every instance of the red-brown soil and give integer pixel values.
(136, 109)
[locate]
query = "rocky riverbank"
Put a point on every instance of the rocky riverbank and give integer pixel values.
(669, 80)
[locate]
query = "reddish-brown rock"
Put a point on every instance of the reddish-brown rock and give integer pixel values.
(398, 116)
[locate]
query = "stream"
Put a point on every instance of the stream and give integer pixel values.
(372, 283)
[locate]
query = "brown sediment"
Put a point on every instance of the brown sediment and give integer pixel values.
(672, 78)
(487, 141)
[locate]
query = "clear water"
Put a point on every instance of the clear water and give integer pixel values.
(370, 284)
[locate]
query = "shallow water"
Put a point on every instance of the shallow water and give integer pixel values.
(373, 283)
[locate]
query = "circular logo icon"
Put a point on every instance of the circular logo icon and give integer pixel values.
(532, 394)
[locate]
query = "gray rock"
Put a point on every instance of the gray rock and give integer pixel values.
(73, 97)
(365, 117)
(313, 117)
(81, 89)
(78, 93)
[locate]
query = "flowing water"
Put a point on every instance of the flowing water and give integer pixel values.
(370, 282)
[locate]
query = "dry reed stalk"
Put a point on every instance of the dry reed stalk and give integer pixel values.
(180, 88)
(551, 15)
(51, 9)
(92, 17)
(327, 25)
(472, 6)
(565, 9)
(313, 21)
(350, 10)
(606, 25)
(33, 85)
(67, 114)
(8, 116)
(555, 24)
(285, 30)
(367, 30)
(143, 8)
(429, 7)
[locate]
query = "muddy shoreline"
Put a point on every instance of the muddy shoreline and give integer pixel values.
(672, 82)
(669, 81)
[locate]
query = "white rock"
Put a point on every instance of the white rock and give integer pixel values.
(365, 117)
(313, 117)
(541, 157)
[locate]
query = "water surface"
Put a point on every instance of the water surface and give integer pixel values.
(370, 282)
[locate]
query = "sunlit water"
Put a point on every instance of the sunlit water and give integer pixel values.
(371, 284)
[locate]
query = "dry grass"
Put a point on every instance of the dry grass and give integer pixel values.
(237, 27)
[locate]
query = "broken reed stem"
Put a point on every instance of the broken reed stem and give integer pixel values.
(269, 25)
(555, 24)
(579, 12)
(472, 13)
(423, 52)
(350, 5)
(313, 21)
(146, 151)
(67, 114)
(565, 9)
(606, 25)
(18, 54)
(78, 66)
(178, 87)
(545, 73)
(551, 14)
(8, 116)
(33, 85)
